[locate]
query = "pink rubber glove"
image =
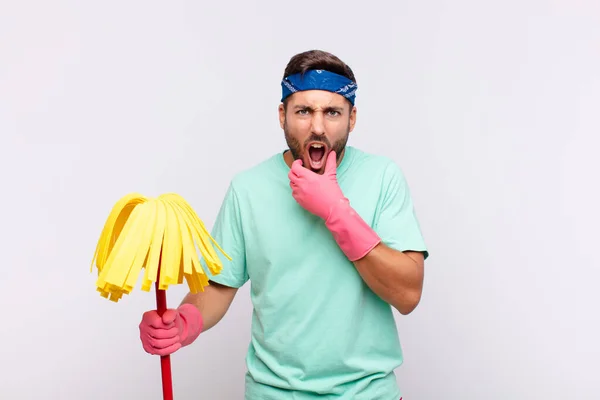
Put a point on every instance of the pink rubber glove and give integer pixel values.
(322, 196)
(177, 328)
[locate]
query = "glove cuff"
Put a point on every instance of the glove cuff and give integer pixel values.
(192, 323)
(354, 236)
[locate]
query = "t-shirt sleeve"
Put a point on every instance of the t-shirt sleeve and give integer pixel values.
(227, 232)
(397, 224)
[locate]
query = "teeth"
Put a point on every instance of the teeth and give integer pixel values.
(317, 146)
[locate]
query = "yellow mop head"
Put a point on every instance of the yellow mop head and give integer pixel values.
(153, 233)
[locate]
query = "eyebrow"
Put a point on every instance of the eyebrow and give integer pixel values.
(331, 108)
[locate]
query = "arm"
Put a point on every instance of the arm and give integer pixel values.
(213, 303)
(388, 256)
(394, 269)
(393, 273)
(163, 335)
(395, 276)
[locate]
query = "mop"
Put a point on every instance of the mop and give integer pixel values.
(158, 235)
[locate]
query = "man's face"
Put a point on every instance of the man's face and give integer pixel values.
(316, 122)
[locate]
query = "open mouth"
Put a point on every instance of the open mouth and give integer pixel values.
(316, 155)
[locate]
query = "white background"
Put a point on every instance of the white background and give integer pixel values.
(492, 109)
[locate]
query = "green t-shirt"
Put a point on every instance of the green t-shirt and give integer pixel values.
(318, 331)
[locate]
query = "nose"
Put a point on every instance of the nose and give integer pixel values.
(317, 124)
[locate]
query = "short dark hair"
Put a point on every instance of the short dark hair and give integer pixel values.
(317, 59)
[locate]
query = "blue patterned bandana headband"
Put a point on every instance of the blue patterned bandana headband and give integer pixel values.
(318, 79)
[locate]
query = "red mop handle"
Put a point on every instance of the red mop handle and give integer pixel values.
(165, 361)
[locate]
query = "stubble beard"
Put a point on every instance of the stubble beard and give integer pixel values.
(298, 150)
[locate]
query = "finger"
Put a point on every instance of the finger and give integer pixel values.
(169, 317)
(331, 164)
(169, 350)
(163, 343)
(295, 192)
(162, 333)
(296, 176)
(151, 318)
(292, 175)
(297, 168)
(162, 352)
(148, 349)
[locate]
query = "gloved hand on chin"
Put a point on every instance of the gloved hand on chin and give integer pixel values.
(322, 196)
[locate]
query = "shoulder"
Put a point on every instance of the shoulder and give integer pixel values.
(256, 176)
(376, 165)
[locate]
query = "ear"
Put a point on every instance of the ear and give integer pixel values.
(352, 118)
(281, 110)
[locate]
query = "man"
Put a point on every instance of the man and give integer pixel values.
(327, 235)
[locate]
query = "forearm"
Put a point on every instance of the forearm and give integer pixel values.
(394, 276)
(213, 303)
